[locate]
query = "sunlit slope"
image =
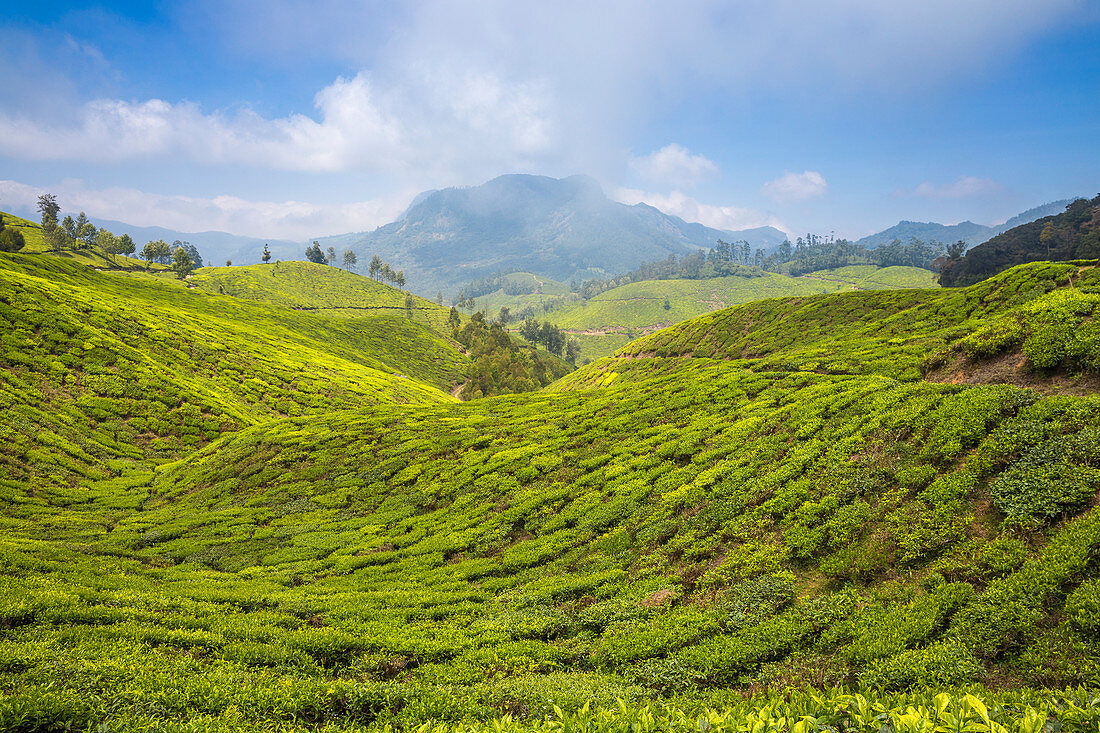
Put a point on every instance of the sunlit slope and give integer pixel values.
(639, 308)
(872, 277)
(100, 370)
(903, 333)
(663, 525)
(313, 287)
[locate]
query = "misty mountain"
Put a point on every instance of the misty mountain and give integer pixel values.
(967, 231)
(215, 247)
(559, 228)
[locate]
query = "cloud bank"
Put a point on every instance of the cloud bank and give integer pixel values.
(273, 219)
(964, 187)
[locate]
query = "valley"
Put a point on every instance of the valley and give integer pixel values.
(249, 500)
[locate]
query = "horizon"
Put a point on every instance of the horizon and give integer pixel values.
(844, 118)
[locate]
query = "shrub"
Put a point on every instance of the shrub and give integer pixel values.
(943, 663)
(1052, 478)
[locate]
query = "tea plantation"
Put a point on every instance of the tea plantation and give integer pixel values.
(791, 515)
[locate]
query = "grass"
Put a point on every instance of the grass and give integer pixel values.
(762, 498)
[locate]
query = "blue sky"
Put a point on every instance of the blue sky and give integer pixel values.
(280, 120)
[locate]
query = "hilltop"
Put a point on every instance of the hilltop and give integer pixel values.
(555, 228)
(796, 491)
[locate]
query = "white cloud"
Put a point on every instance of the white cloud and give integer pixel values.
(445, 117)
(687, 208)
(791, 187)
(675, 165)
(964, 187)
(274, 219)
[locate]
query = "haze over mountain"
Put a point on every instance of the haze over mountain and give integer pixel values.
(966, 231)
(559, 228)
(215, 247)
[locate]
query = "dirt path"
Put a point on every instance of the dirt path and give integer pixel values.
(455, 392)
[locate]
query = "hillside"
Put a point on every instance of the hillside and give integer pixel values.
(522, 223)
(765, 496)
(1072, 234)
(320, 289)
(609, 320)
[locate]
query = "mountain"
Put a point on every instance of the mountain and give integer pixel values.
(1071, 235)
(558, 228)
(215, 247)
(966, 231)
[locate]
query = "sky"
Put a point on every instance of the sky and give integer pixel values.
(286, 120)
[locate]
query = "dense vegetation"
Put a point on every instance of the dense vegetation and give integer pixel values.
(1071, 235)
(224, 514)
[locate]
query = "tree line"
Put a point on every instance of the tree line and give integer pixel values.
(80, 234)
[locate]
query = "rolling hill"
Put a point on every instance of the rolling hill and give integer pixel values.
(607, 321)
(554, 228)
(845, 488)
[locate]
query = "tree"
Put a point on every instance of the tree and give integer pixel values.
(155, 251)
(505, 315)
(181, 263)
(69, 226)
(530, 330)
(85, 230)
(11, 240)
(453, 319)
(49, 208)
(375, 266)
(439, 297)
(572, 350)
(399, 278)
(106, 241)
(330, 255)
(349, 259)
(955, 251)
(408, 305)
(266, 255)
(229, 263)
(314, 253)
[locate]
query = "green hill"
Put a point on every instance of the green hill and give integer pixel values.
(790, 492)
(609, 320)
(318, 288)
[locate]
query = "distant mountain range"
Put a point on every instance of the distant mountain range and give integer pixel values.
(967, 231)
(558, 228)
(215, 247)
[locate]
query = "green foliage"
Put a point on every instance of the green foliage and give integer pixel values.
(224, 512)
(1054, 477)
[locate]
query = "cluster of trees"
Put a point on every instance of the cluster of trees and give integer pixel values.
(1074, 234)
(11, 239)
(498, 364)
(380, 270)
(80, 234)
(315, 254)
(552, 338)
(814, 252)
(722, 261)
(500, 281)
